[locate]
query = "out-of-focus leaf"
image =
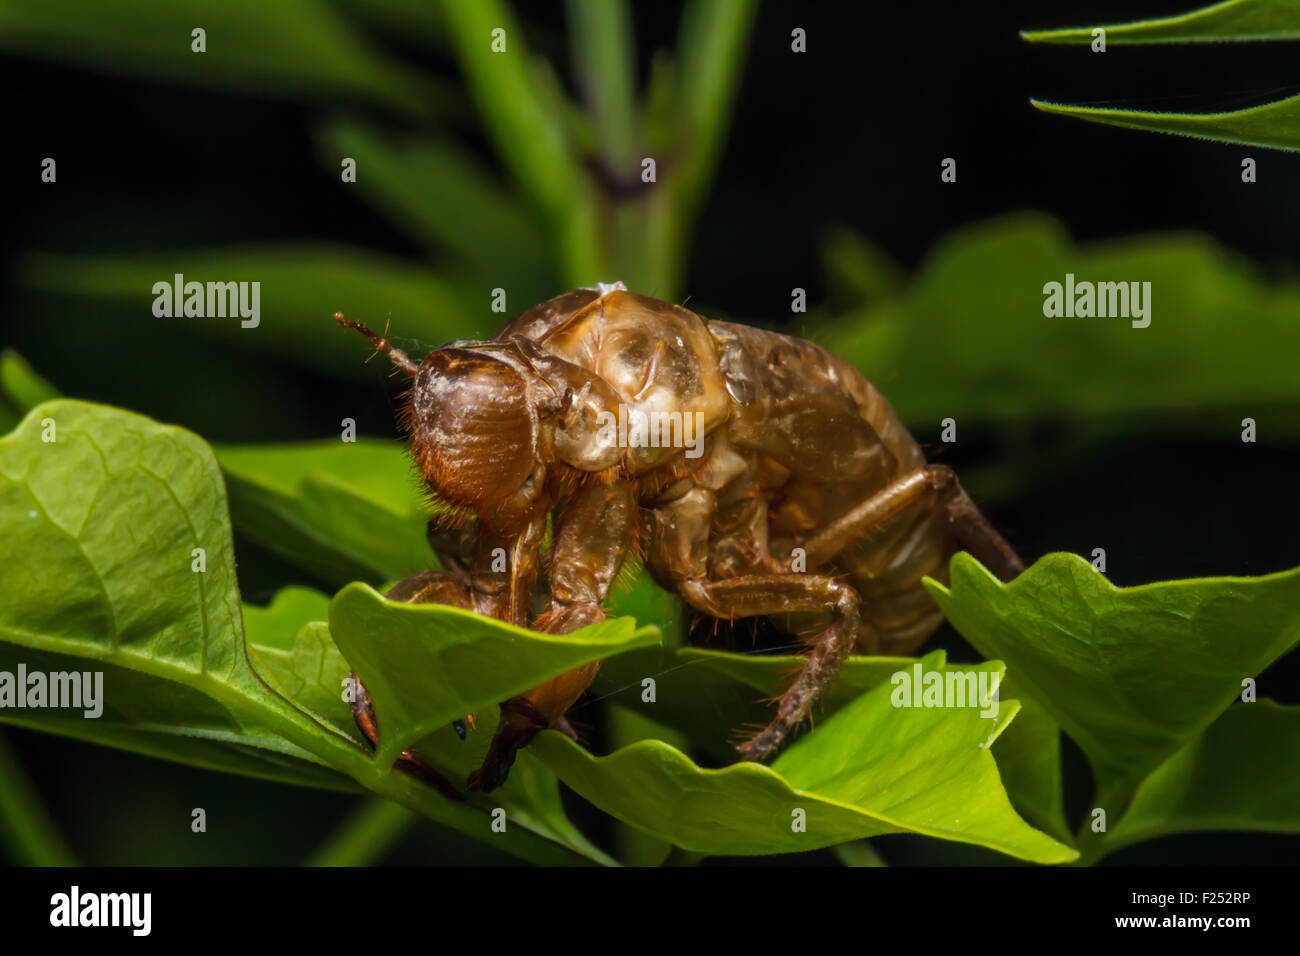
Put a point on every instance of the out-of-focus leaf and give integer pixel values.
(346, 510)
(404, 18)
(526, 135)
(1233, 20)
(20, 387)
(1243, 773)
(442, 198)
(289, 48)
(969, 339)
(301, 287)
(859, 853)
(1131, 674)
(871, 769)
(859, 271)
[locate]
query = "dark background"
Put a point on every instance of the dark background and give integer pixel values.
(850, 134)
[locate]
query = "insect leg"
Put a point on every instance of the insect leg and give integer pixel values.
(937, 482)
(774, 594)
(972, 529)
(452, 541)
(426, 587)
(593, 534)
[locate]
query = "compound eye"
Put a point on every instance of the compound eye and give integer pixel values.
(472, 431)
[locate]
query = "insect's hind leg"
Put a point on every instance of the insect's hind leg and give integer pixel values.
(426, 587)
(762, 595)
(969, 527)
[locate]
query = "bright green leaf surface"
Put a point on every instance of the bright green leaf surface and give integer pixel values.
(870, 769)
(1243, 773)
(454, 662)
(100, 528)
(1131, 674)
(346, 510)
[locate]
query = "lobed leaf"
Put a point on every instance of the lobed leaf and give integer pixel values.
(1131, 674)
(1242, 774)
(871, 769)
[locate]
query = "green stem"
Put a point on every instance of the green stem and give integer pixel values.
(604, 64)
(714, 36)
(679, 857)
(25, 828)
(365, 835)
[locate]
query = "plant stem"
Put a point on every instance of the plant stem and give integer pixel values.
(374, 826)
(25, 828)
(604, 65)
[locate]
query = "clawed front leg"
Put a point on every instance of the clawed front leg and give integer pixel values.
(427, 587)
(593, 534)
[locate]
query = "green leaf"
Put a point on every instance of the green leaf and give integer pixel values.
(1131, 674)
(1274, 125)
(99, 531)
(301, 287)
(1029, 759)
(346, 510)
(1243, 773)
(290, 643)
(858, 270)
(1220, 338)
(100, 528)
(286, 49)
(426, 665)
(1233, 20)
(870, 769)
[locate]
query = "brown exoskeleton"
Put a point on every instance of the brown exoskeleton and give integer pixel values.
(802, 497)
